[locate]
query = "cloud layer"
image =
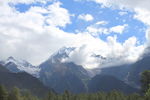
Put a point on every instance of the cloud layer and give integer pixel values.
(141, 8)
(37, 33)
(86, 17)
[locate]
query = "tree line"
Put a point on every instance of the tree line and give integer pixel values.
(16, 94)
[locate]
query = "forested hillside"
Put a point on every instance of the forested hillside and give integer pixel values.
(22, 80)
(15, 94)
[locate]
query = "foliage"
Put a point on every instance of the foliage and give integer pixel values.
(3, 93)
(145, 80)
(147, 95)
(15, 94)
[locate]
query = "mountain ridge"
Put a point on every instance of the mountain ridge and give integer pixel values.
(22, 80)
(16, 66)
(56, 70)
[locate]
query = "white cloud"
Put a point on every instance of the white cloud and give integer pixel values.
(58, 16)
(143, 15)
(140, 7)
(101, 23)
(34, 37)
(118, 29)
(98, 29)
(86, 17)
(28, 33)
(27, 1)
(121, 13)
(129, 4)
(147, 35)
(114, 53)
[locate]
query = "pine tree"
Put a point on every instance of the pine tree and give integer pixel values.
(15, 94)
(134, 96)
(66, 95)
(51, 96)
(28, 96)
(3, 93)
(147, 95)
(145, 80)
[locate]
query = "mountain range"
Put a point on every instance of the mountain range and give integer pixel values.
(22, 80)
(16, 66)
(59, 75)
(71, 76)
(107, 83)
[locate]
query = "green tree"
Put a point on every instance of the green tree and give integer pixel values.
(134, 96)
(147, 95)
(145, 81)
(102, 95)
(3, 93)
(66, 95)
(28, 96)
(51, 96)
(115, 95)
(15, 94)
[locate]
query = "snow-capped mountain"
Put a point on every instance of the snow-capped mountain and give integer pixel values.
(1, 62)
(98, 56)
(62, 54)
(54, 70)
(66, 54)
(21, 65)
(73, 77)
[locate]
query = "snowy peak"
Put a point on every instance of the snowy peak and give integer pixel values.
(11, 58)
(21, 66)
(61, 54)
(98, 56)
(22, 63)
(1, 62)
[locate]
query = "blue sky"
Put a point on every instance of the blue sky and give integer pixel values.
(135, 27)
(35, 29)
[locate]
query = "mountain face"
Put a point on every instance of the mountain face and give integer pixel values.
(22, 80)
(76, 79)
(136, 70)
(60, 75)
(1, 62)
(130, 73)
(121, 72)
(63, 76)
(16, 66)
(108, 83)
